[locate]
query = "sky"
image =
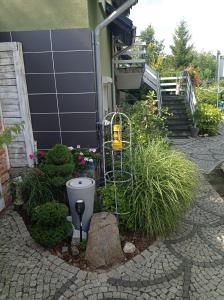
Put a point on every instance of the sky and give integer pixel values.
(205, 20)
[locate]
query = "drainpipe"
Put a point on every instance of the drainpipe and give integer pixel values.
(97, 33)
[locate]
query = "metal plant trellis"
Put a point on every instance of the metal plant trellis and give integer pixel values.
(117, 153)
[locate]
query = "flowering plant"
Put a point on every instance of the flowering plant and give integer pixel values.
(84, 159)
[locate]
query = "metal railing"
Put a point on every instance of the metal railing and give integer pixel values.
(152, 79)
(190, 96)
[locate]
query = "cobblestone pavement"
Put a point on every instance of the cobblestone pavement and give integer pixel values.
(207, 152)
(187, 265)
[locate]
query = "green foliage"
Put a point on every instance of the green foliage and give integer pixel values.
(181, 50)
(146, 121)
(164, 187)
(50, 214)
(154, 48)
(204, 95)
(35, 189)
(207, 118)
(9, 133)
(108, 194)
(206, 64)
(50, 225)
(59, 155)
(58, 166)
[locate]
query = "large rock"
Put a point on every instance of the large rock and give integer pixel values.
(103, 246)
(222, 167)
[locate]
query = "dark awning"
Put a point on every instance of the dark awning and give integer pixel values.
(122, 27)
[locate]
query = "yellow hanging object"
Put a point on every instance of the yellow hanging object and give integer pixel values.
(117, 143)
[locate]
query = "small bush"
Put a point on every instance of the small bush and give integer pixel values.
(208, 118)
(50, 225)
(59, 155)
(123, 202)
(59, 167)
(146, 122)
(35, 189)
(206, 96)
(164, 187)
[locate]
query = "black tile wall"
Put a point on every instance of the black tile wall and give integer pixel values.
(75, 121)
(60, 77)
(40, 84)
(38, 62)
(43, 103)
(47, 139)
(77, 102)
(85, 139)
(77, 61)
(75, 83)
(33, 41)
(71, 39)
(45, 122)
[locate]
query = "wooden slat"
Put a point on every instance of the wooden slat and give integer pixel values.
(10, 107)
(8, 89)
(12, 114)
(12, 121)
(6, 61)
(9, 101)
(8, 75)
(4, 69)
(16, 163)
(8, 96)
(17, 156)
(7, 82)
(8, 47)
(6, 54)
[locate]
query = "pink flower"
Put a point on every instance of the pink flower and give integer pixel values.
(83, 162)
(80, 158)
(31, 156)
(41, 153)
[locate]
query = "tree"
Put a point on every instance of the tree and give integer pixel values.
(154, 47)
(181, 50)
(206, 63)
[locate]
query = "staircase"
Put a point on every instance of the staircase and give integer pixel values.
(178, 122)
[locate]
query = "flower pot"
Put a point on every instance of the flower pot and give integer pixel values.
(194, 131)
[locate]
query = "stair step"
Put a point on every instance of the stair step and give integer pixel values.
(182, 121)
(179, 134)
(173, 98)
(174, 127)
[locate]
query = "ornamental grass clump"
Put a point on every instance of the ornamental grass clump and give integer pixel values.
(164, 187)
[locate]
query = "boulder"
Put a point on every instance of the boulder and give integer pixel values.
(129, 248)
(222, 167)
(104, 245)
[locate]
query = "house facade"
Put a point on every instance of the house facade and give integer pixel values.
(58, 49)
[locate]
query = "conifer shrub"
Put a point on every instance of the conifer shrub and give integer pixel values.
(50, 226)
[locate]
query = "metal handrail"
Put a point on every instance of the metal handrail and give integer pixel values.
(190, 95)
(152, 78)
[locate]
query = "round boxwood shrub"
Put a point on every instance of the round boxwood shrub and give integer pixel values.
(50, 226)
(59, 167)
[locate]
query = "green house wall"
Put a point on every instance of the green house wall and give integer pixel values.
(18, 15)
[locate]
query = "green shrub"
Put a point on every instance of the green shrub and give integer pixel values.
(123, 202)
(208, 118)
(50, 214)
(164, 187)
(146, 122)
(35, 189)
(59, 167)
(50, 225)
(59, 155)
(206, 96)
